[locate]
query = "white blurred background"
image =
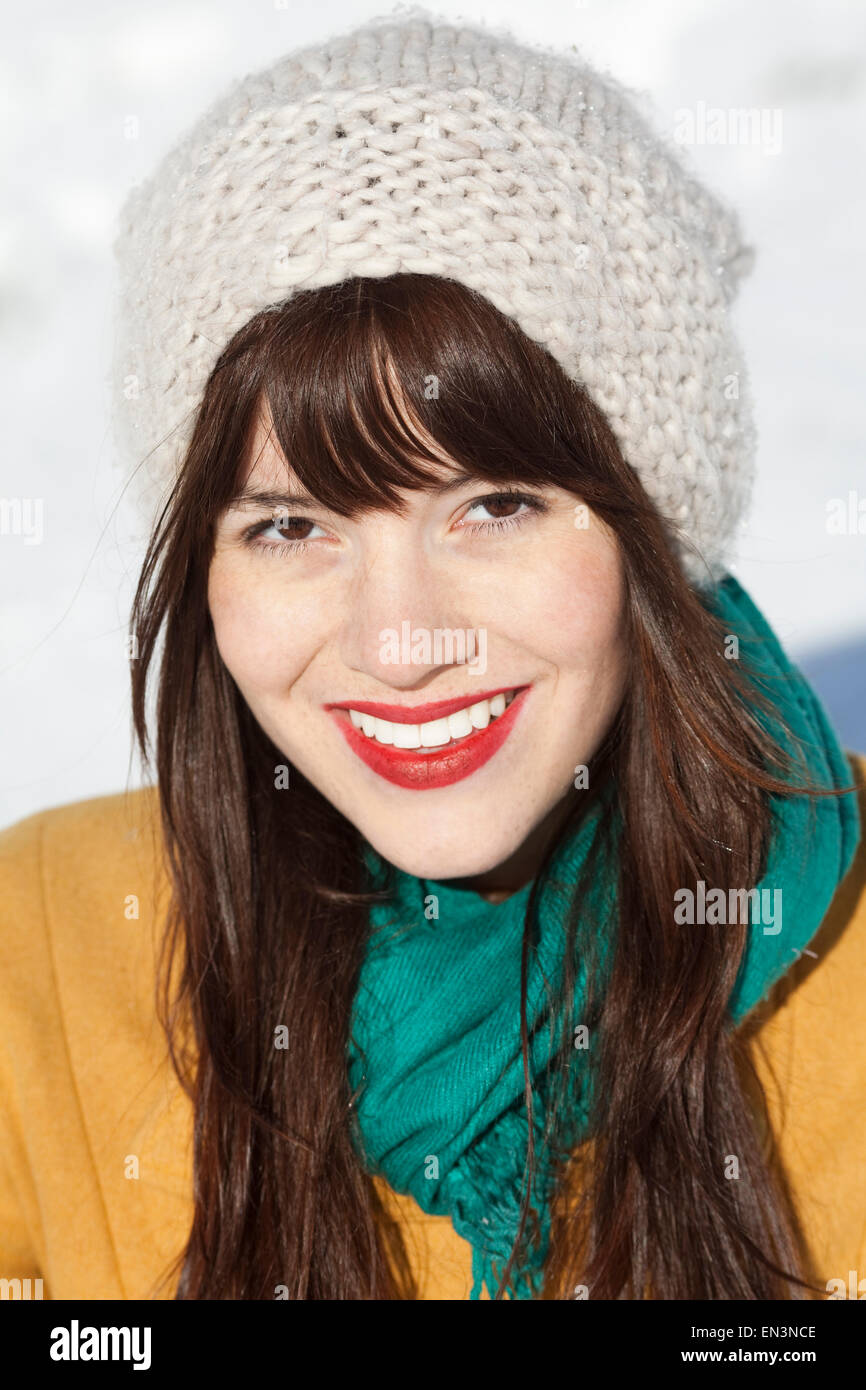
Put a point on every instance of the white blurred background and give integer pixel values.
(93, 94)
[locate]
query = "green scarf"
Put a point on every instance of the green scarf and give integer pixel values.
(436, 1036)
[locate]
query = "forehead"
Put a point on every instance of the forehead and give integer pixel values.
(265, 461)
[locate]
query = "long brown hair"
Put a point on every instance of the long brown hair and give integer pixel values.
(268, 921)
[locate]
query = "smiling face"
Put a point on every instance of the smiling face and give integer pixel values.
(438, 674)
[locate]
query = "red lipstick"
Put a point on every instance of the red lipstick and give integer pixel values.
(440, 767)
(419, 714)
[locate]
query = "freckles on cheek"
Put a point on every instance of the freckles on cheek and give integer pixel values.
(569, 610)
(263, 639)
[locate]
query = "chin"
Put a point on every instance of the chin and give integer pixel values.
(461, 858)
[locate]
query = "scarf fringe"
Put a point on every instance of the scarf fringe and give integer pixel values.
(483, 1274)
(486, 1275)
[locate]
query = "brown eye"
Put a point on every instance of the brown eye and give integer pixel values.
(293, 528)
(501, 505)
(502, 509)
(282, 534)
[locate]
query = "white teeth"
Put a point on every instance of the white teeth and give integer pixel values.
(480, 714)
(459, 724)
(407, 735)
(436, 733)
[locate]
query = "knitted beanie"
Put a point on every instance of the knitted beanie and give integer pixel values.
(416, 144)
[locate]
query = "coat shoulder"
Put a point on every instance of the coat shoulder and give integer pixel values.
(89, 823)
(808, 1044)
(838, 946)
(68, 868)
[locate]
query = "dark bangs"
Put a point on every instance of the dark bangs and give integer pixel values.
(378, 385)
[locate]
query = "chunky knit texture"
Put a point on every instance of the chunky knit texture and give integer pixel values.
(415, 144)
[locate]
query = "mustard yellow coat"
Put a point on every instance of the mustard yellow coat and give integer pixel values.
(95, 1132)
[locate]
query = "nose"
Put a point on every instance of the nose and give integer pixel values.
(401, 597)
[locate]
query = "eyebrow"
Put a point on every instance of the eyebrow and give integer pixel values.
(265, 497)
(249, 497)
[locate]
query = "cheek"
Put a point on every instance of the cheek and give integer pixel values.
(264, 638)
(568, 607)
(587, 628)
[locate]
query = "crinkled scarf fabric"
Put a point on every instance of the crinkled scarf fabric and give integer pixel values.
(435, 1048)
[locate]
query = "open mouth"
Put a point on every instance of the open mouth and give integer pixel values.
(431, 752)
(435, 733)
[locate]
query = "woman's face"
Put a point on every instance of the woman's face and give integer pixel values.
(382, 656)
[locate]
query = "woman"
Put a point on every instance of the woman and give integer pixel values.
(466, 941)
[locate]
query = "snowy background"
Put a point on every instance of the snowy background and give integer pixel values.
(93, 94)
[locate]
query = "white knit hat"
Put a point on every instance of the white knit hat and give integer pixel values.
(415, 144)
